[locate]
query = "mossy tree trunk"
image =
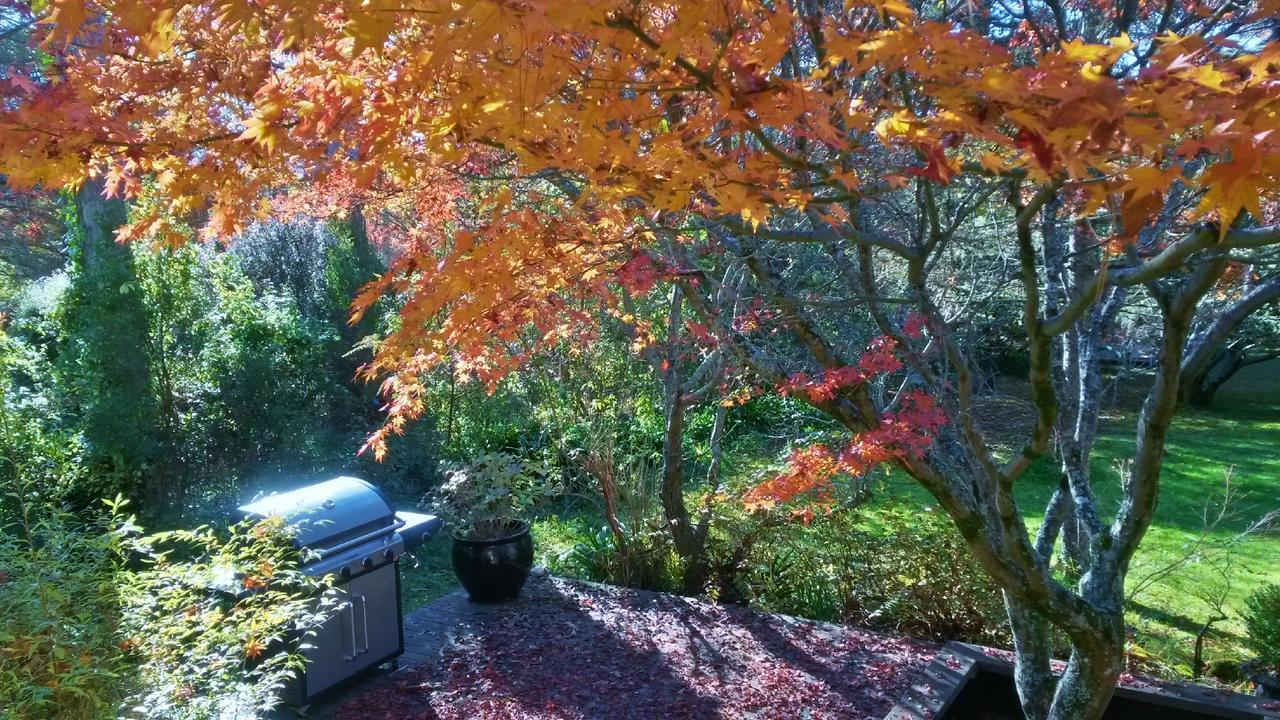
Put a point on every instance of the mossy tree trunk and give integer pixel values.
(106, 326)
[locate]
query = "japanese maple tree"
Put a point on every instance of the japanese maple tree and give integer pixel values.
(844, 158)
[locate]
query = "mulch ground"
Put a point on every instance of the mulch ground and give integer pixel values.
(578, 651)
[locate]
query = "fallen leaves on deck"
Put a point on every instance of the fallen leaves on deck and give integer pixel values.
(583, 652)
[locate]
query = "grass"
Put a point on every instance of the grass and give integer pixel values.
(1241, 433)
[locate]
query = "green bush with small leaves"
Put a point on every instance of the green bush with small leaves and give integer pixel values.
(1262, 620)
(893, 567)
(59, 645)
(102, 622)
(217, 621)
(493, 488)
(649, 561)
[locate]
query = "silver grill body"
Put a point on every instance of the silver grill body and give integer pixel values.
(350, 533)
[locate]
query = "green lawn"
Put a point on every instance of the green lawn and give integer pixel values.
(1242, 432)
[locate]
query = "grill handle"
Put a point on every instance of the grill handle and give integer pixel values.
(352, 607)
(364, 618)
(326, 552)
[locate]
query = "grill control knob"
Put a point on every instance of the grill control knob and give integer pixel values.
(345, 572)
(389, 554)
(367, 563)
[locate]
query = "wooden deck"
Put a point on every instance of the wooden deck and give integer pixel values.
(568, 648)
(427, 632)
(719, 662)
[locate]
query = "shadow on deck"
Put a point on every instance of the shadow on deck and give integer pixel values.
(570, 649)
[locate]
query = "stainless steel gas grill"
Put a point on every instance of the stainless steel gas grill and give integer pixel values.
(353, 534)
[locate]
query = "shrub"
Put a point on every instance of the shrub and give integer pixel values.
(46, 458)
(84, 636)
(648, 561)
(493, 487)
(893, 567)
(634, 547)
(1262, 620)
(59, 656)
(223, 654)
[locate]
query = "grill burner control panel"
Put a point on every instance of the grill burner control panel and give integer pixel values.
(345, 564)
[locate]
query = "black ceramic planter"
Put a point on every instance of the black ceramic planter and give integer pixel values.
(1266, 682)
(493, 566)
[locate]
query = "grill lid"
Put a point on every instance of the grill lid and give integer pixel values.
(330, 513)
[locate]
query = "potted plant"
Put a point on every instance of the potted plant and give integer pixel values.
(486, 504)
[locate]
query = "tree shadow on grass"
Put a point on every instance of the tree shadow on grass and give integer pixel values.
(1182, 623)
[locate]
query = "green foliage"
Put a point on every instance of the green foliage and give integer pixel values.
(59, 655)
(188, 378)
(892, 566)
(648, 560)
(266, 366)
(218, 633)
(283, 400)
(493, 487)
(34, 449)
(594, 557)
(86, 630)
(634, 548)
(189, 625)
(104, 370)
(1262, 620)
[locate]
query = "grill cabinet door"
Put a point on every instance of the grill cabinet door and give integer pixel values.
(377, 612)
(332, 648)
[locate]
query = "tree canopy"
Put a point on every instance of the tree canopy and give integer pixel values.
(619, 115)
(540, 165)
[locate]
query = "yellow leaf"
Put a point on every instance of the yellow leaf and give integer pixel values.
(902, 122)
(1149, 179)
(68, 16)
(1119, 46)
(1232, 186)
(992, 163)
(894, 9)
(1095, 196)
(1210, 77)
(1080, 51)
(259, 131)
(371, 23)
(1104, 55)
